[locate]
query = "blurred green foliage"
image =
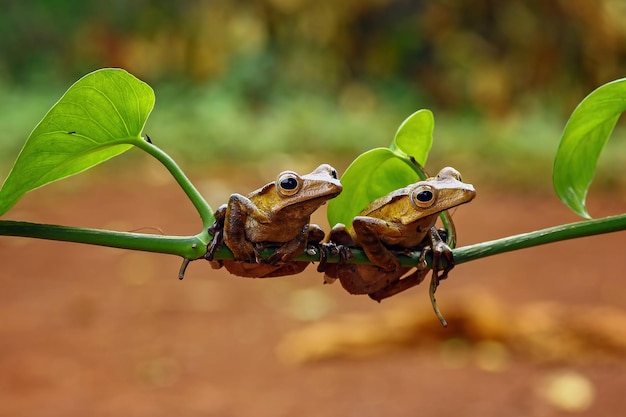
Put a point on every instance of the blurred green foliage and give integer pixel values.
(237, 79)
(477, 53)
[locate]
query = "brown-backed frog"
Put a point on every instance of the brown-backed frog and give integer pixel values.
(277, 216)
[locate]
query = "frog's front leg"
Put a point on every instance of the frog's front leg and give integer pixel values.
(368, 231)
(310, 233)
(217, 231)
(339, 242)
(235, 223)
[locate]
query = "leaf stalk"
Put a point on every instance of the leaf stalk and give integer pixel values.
(202, 207)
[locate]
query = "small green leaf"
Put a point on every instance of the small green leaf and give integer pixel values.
(99, 117)
(372, 175)
(415, 135)
(584, 137)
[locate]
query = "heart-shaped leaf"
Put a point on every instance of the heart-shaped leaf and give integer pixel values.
(584, 137)
(99, 117)
(415, 135)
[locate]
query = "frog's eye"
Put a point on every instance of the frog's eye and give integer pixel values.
(288, 183)
(449, 172)
(333, 174)
(423, 196)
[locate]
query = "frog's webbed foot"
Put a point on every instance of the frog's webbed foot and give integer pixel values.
(214, 245)
(217, 231)
(243, 251)
(311, 234)
(339, 242)
(332, 249)
(289, 250)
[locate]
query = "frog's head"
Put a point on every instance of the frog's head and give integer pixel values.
(439, 193)
(301, 194)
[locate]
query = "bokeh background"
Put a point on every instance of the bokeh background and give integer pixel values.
(247, 88)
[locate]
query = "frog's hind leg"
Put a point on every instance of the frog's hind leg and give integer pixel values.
(411, 280)
(369, 231)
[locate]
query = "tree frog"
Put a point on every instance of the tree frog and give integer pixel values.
(276, 215)
(401, 221)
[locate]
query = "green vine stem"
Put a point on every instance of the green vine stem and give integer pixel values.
(541, 237)
(507, 244)
(201, 205)
(189, 247)
(194, 247)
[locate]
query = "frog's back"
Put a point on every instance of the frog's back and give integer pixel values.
(379, 207)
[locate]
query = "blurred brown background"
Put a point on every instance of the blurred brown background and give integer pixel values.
(248, 88)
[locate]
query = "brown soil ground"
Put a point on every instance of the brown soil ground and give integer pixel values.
(92, 331)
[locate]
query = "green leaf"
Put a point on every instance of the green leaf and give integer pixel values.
(584, 137)
(415, 135)
(372, 175)
(99, 117)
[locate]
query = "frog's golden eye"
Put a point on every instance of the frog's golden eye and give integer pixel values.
(288, 183)
(423, 196)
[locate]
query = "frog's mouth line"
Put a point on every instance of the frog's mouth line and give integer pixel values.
(326, 198)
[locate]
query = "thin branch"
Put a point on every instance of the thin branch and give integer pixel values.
(190, 247)
(494, 247)
(541, 237)
(194, 247)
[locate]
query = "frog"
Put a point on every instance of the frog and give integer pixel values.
(400, 222)
(277, 216)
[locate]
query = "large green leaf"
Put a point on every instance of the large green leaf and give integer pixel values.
(99, 117)
(382, 170)
(584, 137)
